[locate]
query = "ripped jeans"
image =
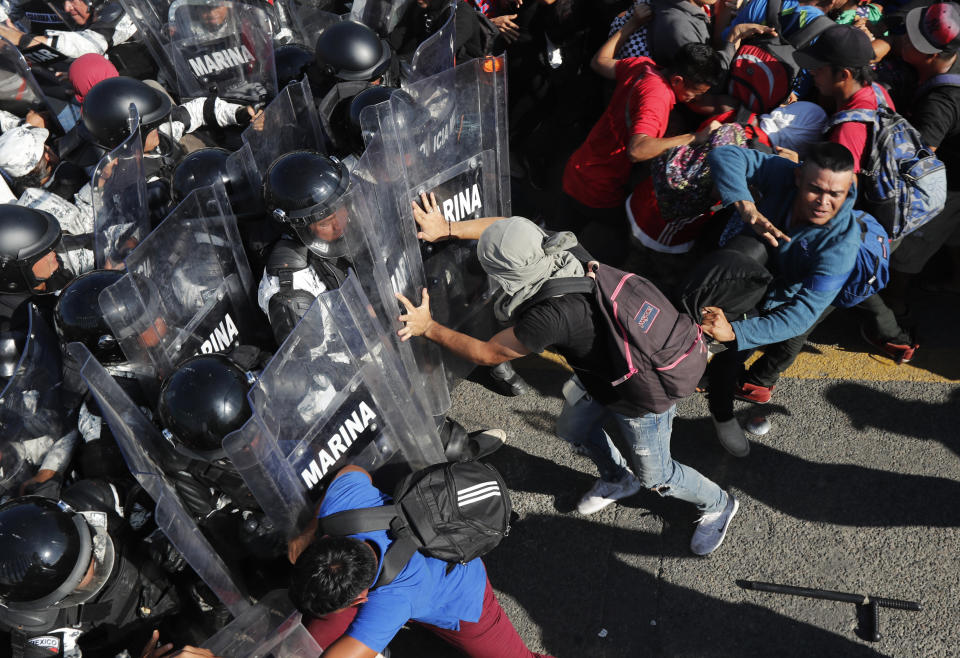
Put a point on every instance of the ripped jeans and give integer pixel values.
(648, 437)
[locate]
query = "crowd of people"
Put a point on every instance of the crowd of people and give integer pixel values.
(181, 182)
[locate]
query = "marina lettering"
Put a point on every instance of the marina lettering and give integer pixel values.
(462, 204)
(222, 337)
(220, 60)
(337, 445)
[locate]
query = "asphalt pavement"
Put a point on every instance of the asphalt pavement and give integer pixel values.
(855, 488)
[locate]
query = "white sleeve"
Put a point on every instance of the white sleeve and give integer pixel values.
(61, 452)
(9, 120)
(75, 44)
(124, 31)
(305, 279)
(226, 113)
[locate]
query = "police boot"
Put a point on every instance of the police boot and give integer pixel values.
(459, 445)
(507, 380)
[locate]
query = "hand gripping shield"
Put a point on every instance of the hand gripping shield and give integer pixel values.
(30, 399)
(451, 140)
(435, 54)
(394, 263)
(121, 215)
(331, 395)
(187, 290)
(288, 123)
(145, 450)
(19, 90)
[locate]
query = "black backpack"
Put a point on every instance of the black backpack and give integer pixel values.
(452, 512)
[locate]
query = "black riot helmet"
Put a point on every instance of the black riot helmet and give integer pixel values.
(106, 109)
(348, 50)
(32, 257)
(50, 555)
(367, 98)
(201, 402)
(78, 318)
(304, 191)
(292, 61)
(201, 168)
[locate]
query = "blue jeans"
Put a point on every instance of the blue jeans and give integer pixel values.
(648, 437)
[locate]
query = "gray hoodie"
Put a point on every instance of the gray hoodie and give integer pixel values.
(677, 23)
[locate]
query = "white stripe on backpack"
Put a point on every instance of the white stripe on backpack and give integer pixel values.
(477, 493)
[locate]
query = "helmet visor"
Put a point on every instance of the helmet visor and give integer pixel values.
(50, 271)
(101, 562)
(323, 232)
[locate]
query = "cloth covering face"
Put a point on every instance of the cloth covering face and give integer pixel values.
(87, 70)
(520, 257)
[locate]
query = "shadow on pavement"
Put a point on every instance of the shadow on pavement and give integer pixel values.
(842, 494)
(867, 407)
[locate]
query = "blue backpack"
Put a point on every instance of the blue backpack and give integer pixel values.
(903, 184)
(871, 270)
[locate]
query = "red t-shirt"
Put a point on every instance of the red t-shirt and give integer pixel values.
(853, 134)
(597, 173)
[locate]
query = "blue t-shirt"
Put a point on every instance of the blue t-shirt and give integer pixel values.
(423, 591)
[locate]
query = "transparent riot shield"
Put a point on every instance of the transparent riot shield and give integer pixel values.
(150, 17)
(332, 395)
(310, 17)
(451, 140)
(30, 399)
(436, 53)
(381, 15)
(145, 451)
(187, 290)
(222, 47)
(121, 214)
(247, 180)
(270, 628)
(396, 261)
(19, 91)
(288, 123)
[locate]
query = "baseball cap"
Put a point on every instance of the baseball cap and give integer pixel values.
(934, 29)
(21, 148)
(840, 45)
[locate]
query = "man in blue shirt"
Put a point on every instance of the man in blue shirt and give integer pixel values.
(805, 212)
(332, 579)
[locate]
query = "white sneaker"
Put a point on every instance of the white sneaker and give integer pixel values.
(712, 528)
(604, 493)
(732, 437)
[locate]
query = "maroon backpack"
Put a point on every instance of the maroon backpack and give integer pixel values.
(656, 353)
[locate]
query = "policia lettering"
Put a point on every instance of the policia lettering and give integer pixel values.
(358, 425)
(220, 60)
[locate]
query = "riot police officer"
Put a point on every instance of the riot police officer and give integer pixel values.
(69, 582)
(303, 192)
(33, 259)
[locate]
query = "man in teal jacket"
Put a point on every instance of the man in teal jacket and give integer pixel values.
(806, 214)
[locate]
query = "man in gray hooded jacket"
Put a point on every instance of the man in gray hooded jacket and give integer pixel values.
(521, 257)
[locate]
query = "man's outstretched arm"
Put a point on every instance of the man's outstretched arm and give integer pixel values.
(502, 347)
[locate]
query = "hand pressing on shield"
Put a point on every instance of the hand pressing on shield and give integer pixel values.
(417, 319)
(433, 225)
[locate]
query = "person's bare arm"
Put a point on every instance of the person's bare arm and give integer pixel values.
(434, 227)
(604, 62)
(348, 647)
(418, 322)
(14, 36)
(644, 147)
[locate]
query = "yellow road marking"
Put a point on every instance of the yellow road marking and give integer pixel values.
(937, 365)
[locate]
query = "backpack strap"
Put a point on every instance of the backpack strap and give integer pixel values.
(556, 287)
(773, 14)
(810, 31)
(353, 521)
(942, 80)
(878, 93)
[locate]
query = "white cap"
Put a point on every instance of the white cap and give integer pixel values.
(21, 149)
(794, 126)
